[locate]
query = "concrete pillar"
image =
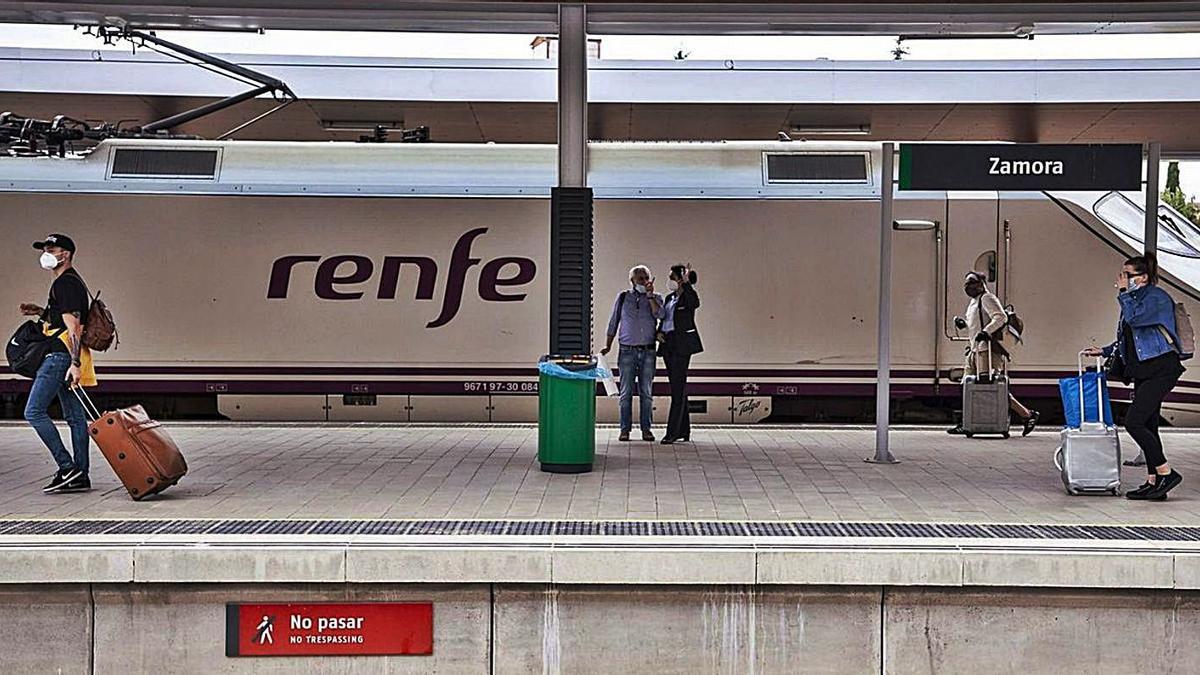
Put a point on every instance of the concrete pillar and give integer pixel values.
(572, 96)
(883, 454)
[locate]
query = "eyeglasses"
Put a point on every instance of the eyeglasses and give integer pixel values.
(1130, 275)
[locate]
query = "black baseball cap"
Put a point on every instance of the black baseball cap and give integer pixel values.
(60, 240)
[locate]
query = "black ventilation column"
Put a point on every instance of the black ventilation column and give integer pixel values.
(571, 270)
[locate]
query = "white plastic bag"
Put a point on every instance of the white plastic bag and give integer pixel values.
(610, 384)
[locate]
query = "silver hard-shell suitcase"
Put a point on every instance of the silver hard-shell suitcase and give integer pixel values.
(985, 402)
(1089, 457)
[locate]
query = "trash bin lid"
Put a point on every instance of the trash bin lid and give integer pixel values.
(572, 362)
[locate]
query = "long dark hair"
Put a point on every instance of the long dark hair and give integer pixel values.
(1145, 264)
(681, 271)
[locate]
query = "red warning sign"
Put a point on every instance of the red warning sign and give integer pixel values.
(348, 629)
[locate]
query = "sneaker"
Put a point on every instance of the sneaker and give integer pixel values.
(81, 484)
(1030, 422)
(1140, 490)
(956, 431)
(1162, 486)
(61, 478)
(647, 436)
(624, 436)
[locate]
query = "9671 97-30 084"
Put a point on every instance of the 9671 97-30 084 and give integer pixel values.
(510, 387)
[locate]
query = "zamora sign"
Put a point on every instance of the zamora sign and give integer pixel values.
(1020, 166)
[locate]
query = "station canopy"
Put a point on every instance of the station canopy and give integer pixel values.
(886, 17)
(507, 101)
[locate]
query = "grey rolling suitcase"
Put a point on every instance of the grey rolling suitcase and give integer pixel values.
(1089, 458)
(985, 402)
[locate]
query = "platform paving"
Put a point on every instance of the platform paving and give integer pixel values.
(491, 472)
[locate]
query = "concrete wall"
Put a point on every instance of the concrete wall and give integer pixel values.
(535, 628)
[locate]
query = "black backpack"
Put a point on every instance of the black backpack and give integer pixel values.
(28, 347)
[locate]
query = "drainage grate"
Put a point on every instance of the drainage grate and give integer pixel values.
(89, 527)
(769, 530)
(575, 528)
(37, 527)
(189, 527)
(530, 527)
(963, 531)
(334, 527)
(239, 527)
(867, 530)
(806, 529)
(138, 527)
(287, 527)
(1015, 531)
(627, 528)
(385, 527)
(916, 530)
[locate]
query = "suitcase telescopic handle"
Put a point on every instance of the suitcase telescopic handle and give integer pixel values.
(89, 408)
(1099, 392)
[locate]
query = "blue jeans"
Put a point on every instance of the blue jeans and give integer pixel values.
(50, 382)
(636, 363)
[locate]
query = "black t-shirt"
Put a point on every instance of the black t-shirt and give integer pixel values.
(68, 294)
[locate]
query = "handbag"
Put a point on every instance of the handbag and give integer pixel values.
(28, 347)
(1114, 368)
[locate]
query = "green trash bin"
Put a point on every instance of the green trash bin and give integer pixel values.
(567, 416)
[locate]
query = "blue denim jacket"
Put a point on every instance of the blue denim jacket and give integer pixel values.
(1145, 309)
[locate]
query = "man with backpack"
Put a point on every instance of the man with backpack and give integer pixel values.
(986, 320)
(634, 323)
(68, 364)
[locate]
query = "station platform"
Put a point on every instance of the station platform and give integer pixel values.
(749, 550)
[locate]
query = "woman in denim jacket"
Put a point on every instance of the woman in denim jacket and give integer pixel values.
(1145, 347)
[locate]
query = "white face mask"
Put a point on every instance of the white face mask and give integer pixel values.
(673, 285)
(640, 288)
(48, 261)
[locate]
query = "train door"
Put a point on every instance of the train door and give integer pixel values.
(972, 236)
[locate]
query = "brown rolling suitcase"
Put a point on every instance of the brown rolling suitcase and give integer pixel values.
(139, 449)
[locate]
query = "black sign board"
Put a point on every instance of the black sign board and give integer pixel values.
(1020, 166)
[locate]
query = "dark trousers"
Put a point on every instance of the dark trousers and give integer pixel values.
(1141, 420)
(679, 423)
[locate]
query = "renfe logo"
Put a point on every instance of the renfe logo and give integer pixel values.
(357, 628)
(331, 283)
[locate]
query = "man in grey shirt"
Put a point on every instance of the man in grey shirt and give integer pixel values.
(634, 322)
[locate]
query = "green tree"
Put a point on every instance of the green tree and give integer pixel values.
(1174, 196)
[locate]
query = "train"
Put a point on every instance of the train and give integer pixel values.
(271, 280)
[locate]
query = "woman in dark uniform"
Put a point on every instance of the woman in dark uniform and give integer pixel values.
(680, 340)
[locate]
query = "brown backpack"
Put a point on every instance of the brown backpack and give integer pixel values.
(99, 331)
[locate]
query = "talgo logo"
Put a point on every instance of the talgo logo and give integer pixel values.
(336, 276)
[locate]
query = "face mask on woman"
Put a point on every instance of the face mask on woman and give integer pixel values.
(640, 288)
(48, 261)
(1133, 285)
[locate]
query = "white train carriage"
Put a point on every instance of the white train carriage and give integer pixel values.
(278, 280)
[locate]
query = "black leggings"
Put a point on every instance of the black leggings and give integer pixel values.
(1141, 421)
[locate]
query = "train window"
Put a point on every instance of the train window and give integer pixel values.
(816, 167)
(163, 163)
(1175, 234)
(986, 263)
